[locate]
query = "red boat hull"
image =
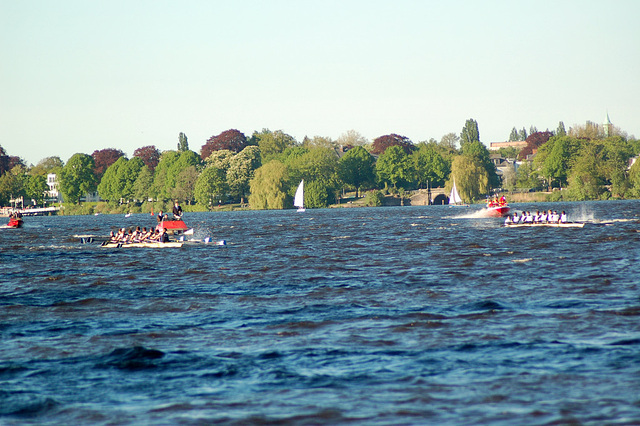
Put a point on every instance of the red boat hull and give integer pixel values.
(498, 211)
(15, 223)
(172, 226)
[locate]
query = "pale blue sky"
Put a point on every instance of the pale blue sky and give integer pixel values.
(76, 76)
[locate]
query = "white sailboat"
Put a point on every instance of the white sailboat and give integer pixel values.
(298, 200)
(454, 197)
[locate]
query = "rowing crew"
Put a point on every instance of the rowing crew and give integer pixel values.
(138, 235)
(544, 217)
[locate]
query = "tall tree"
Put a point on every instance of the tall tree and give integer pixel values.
(183, 143)
(13, 184)
(513, 136)
(211, 187)
(395, 167)
(430, 166)
(561, 130)
(472, 179)
(522, 134)
(103, 158)
(480, 154)
(380, 144)
(36, 187)
(242, 167)
(77, 178)
(534, 141)
(351, 138)
(450, 141)
(357, 169)
(272, 144)
(150, 156)
(470, 133)
(232, 140)
(47, 165)
(269, 186)
(143, 184)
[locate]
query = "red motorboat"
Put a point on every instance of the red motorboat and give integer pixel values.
(14, 222)
(498, 207)
(172, 226)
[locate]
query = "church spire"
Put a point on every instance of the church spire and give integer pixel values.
(607, 126)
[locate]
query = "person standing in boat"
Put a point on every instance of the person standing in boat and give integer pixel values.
(177, 211)
(160, 216)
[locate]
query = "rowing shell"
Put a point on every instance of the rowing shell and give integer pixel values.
(144, 245)
(548, 225)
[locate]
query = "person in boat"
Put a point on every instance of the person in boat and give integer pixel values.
(160, 217)
(508, 221)
(503, 201)
(563, 217)
(177, 211)
(164, 237)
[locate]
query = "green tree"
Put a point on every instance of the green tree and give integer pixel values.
(357, 169)
(183, 143)
(561, 130)
(110, 187)
(143, 184)
(211, 187)
(450, 141)
(556, 163)
(527, 177)
(36, 187)
(480, 154)
(269, 186)
(471, 177)
(470, 133)
(522, 135)
(13, 184)
(395, 167)
(77, 178)
(242, 167)
(46, 166)
(430, 166)
(161, 185)
(271, 144)
(513, 136)
(585, 182)
(185, 185)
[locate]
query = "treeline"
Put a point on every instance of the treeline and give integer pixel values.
(264, 170)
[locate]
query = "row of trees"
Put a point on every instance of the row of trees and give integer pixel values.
(266, 168)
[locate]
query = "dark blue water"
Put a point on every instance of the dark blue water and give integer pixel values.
(407, 315)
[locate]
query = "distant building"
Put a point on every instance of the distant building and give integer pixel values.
(54, 193)
(503, 164)
(52, 181)
(494, 146)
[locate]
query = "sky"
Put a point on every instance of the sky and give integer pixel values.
(78, 76)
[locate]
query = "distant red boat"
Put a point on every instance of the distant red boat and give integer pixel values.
(172, 226)
(498, 208)
(498, 211)
(14, 222)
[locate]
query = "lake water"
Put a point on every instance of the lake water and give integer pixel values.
(403, 315)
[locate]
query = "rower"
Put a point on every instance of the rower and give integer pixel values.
(563, 217)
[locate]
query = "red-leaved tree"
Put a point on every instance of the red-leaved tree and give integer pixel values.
(381, 143)
(534, 141)
(231, 139)
(103, 158)
(150, 156)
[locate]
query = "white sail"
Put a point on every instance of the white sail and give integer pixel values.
(454, 197)
(298, 200)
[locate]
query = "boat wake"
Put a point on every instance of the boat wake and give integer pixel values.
(475, 214)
